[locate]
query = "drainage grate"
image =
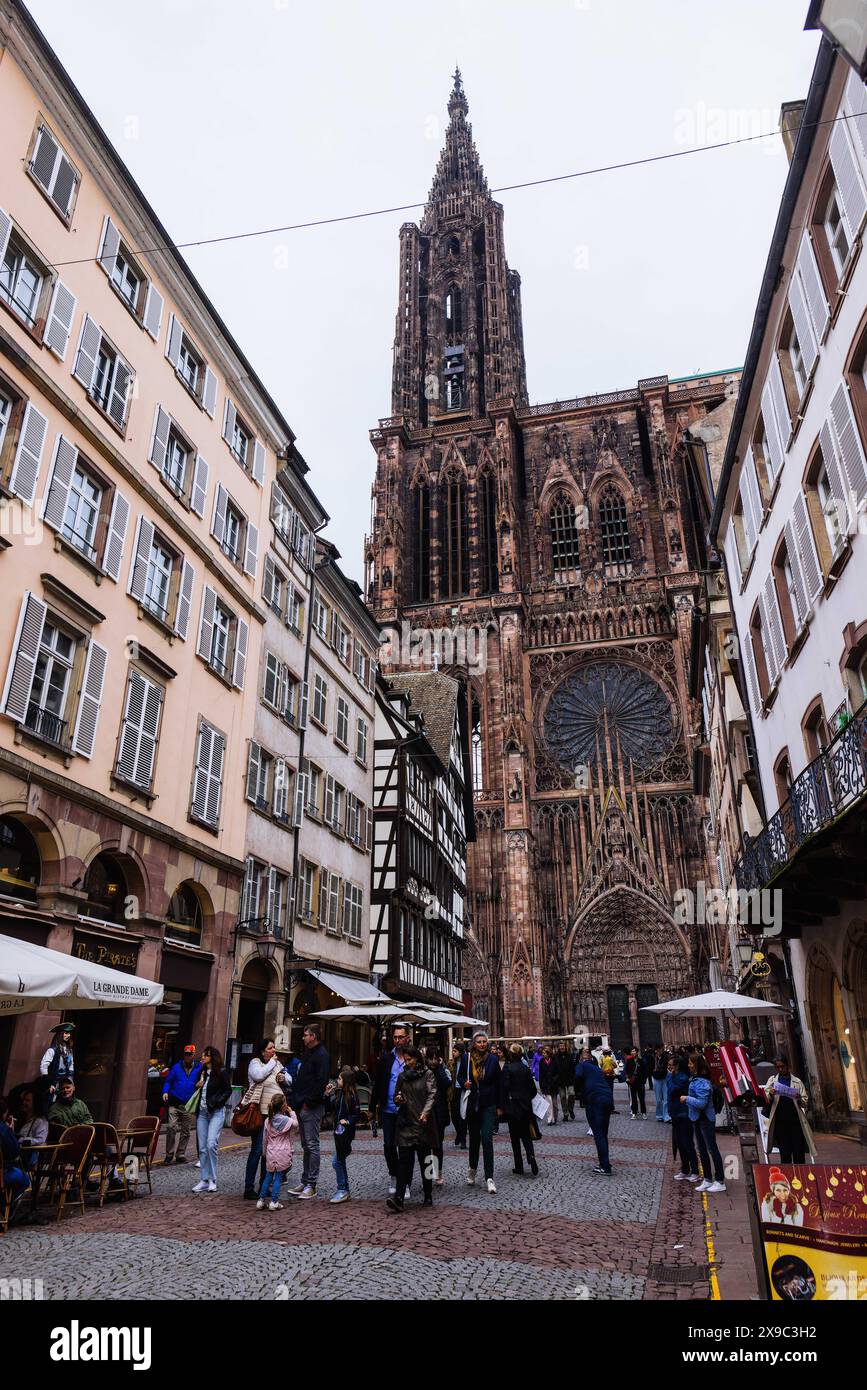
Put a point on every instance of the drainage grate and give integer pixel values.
(679, 1274)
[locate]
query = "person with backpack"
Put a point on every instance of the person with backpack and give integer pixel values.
(276, 1151)
(608, 1067)
(347, 1111)
(702, 1108)
(659, 1076)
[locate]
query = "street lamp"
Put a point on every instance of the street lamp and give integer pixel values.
(266, 946)
(745, 950)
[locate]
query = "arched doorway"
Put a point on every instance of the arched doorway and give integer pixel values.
(258, 983)
(107, 890)
(822, 987)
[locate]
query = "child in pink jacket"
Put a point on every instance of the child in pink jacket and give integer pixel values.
(276, 1151)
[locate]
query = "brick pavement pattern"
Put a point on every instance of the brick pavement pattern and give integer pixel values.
(567, 1234)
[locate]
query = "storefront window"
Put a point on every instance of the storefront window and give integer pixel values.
(19, 860)
(106, 891)
(184, 917)
(845, 1042)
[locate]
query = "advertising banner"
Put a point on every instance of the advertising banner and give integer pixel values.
(813, 1222)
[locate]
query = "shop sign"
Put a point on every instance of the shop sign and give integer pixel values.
(101, 951)
(813, 1223)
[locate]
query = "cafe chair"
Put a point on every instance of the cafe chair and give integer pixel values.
(72, 1166)
(141, 1136)
(106, 1155)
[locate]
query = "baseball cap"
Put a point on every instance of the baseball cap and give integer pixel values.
(190, 1047)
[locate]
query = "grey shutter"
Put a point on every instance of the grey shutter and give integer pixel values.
(752, 514)
(281, 789)
(839, 486)
(781, 404)
(241, 636)
(299, 799)
(58, 325)
(28, 459)
(230, 416)
(218, 525)
(775, 623)
(814, 290)
(215, 780)
(849, 444)
(755, 690)
(248, 889)
(64, 185)
(25, 650)
(121, 391)
(258, 462)
(303, 704)
(799, 582)
(369, 837)
(847, 178)
(5, 230)
(251, 552)
(311, 551)
(772, 665)
(199, 491)
(803, 322)
(160, 439)
(152, 317)
(185, 600)
(202, 771)
(806, 547)
(117, 524)
(209, 392)
(138, 570)
(54, 506)
(44, 158)
(87, 718)
(206, 622)
(323, 897)
(173, 342)
(88, 347)
(108, 247)
(268, 580)
(149, 735)
(254, 767)
(130, 733)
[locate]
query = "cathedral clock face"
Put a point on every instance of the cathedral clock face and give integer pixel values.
(630, 705)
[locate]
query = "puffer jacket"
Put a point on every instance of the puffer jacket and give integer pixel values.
(277, 1143)
(418, 1086)
(263, 1074)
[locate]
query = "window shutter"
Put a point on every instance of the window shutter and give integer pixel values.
(303, 704)
(311, 551)
(272, 904)
(806, 548)
(109, 247)
(127, 756)
(254, 765)
(86, 720)
(206, 622)
(88, 347)
(248, 889)
(117, 524)
(803, 322)
(209, 392)
(150, 735)
(152, 318)
(839, 488)
(323, 897)
(329, 798)
(54, 506)
(258, 462)
(752, 673)
(208, 775)
(268, 580)
(775, 623)
(25, 650)
(814, 290)
(173, 341)
(218, 525)
(369, 837)
(251, 553)
(28, 459)
(799, 582)
(44, 158)
(121, 391)
(160, 439)
(731, 550)
(752, 513)
(58, 325)
(185, 600)
(847, 178)
(281, 789)
(5, 230)
(240, 654)
(856, 105)
(849, 444)
(64, 185)
(771, 664)
(781, 404)
(300, 798)
(230, 416)
(138, 570)
(199, 490)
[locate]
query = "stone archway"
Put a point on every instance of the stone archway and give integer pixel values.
(854, 984)
(820, 981)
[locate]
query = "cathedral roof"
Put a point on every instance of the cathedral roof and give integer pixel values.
(459, 184)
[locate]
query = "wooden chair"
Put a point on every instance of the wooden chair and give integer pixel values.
(142, 1134)
(72, 1165)
(107, 1154)
(5, 1203)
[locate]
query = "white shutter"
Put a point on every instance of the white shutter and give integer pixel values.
(369, 815)
(141, 553)
(241, 636)
(781, 404)
(300, 797)
(751, 523)
(814, 290)
(806, 548)
(806, 334)
(121, 391)
(209, 392)
(28, 459)
(838, 483)
(230, 416)
(281, 789)
(199, 491)
(152, 318)
(54, 506)
(251, 553)
(847, 178)
(268, 580)
(25, 650)
(775, 623)
(856, 105)
(5, 231)
(272, 903)
(88, 347)
(160, 439)
(799, 582)
(248, 907)
(731, 550)
(108, 247)
(206, 621)
(258, 462)
(311, 551)
(771, 664)
(58, 325)
(303, 704)
(117, 524)
(140, 731)
(752, 674)
(44, 158)
(218, 525)
(185, 600)
(849, 444)
(215, 780)
(173, 341)
(254, 767)
(84, 737)
(208, 775)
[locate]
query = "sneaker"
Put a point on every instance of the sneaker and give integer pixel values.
(490, 1186)
(275, 1206)
(471, 1177)
(212, 1187)
(702, 1186)
(392, 1188)
(339, 1197)
(692, 1177)
(306, 1193)
(604, 1172)
(717, 1187)
(260, 1205)
(201, 1187)
(296, 1190)
(681, 1177)
(395, 1203)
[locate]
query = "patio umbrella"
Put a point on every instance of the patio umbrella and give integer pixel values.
(33, 978)
(716, 1002)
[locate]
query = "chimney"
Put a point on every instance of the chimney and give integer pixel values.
(791, 115)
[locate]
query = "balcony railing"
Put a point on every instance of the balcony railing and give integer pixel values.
(44, 724)
(829, 786)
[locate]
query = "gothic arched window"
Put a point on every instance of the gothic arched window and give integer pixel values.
(564, 536)
(614, 532)
(455, 576)
(488, 568)
(421, 531)
(454, 313)
(476, 749)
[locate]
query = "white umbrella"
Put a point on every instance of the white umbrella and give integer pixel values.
(446, 1020)
(716, 1002)
(372, 1012)
(33, 978)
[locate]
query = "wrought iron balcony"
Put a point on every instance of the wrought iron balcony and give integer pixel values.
(828, 787)
(46, 725)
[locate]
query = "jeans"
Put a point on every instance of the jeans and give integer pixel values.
(208, 1129)
(567, 1102)
(254, 1159)
(17, 1182)
(660, 1090)
(271, 1183)
(519, 1133)
(683, 1139)
(708, 1149)
(339, 1166)
(178, 1121)
(636, 1099)
(389, 1142)
(310, 1123)
(598, 1118)
(480, 1126)
(459, 1123)
(405, 1164)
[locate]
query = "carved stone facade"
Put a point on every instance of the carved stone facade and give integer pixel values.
(568, 534)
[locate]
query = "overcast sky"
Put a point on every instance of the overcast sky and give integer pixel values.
(239, 114)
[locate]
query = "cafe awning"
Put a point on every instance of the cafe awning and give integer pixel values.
(354, 991)
(33, 978)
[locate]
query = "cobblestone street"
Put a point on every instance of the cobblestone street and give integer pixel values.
(566, 1234)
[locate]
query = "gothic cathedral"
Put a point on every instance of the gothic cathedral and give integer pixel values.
(566, 537)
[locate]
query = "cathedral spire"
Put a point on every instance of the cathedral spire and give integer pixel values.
(459, 185)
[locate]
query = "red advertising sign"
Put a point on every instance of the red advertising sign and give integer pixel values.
(739, 1078)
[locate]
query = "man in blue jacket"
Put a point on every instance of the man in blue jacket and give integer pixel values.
(593, 1092)
(177, 1090)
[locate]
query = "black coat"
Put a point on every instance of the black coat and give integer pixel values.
(219, 1089)
(441, 1108)
(311, 1078)
(489, 1091)
(519, 1088)
(549, 1076)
